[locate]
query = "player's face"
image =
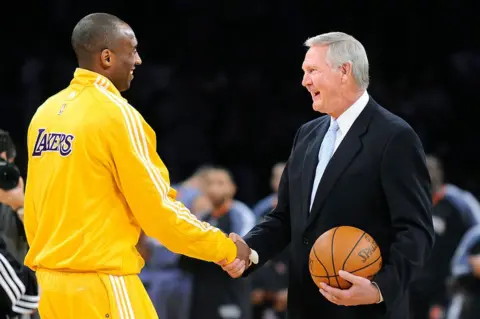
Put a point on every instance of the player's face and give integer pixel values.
(125, 59)
(321, 80)
(219, 187)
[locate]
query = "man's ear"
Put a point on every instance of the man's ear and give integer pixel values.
(3, 155)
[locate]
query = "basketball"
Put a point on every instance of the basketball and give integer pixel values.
(344, 248)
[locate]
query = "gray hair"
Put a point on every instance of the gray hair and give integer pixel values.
(343, 48)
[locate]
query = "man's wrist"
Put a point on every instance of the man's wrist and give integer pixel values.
(380, 297)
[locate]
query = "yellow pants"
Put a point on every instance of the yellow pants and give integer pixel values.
(92, 296)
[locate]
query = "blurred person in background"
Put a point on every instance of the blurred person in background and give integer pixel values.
(12, 200)
(191, 192)
(266, 204)
(269, 294)
(18, 287)
(215, 295)
(465, 280)
(454, 211)
(12, 233)
(168, 285)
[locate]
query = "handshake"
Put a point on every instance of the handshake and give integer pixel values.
(245, 258)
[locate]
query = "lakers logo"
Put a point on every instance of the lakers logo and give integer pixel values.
(52, 142)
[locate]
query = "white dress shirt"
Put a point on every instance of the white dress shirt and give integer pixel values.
(346, 120)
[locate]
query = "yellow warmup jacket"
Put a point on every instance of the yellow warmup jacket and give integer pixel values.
(95, 180)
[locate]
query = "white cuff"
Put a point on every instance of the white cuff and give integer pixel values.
(253, 257)
(378, 288)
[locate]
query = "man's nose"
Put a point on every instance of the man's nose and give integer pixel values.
(306, 80)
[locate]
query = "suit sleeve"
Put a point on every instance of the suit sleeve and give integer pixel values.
(273, 234)
(406, 184)
(143, 179)
(18, 285)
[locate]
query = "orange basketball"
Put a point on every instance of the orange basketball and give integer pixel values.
(344, 248)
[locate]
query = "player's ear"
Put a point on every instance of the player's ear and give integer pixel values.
(3, 155)
(106, 58)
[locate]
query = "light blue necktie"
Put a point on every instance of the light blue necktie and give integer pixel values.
(324, 156)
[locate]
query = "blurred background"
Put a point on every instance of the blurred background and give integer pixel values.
(221, 85)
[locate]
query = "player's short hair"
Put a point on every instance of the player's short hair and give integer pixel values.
(343, 48)
(7, 145)
(94, 33)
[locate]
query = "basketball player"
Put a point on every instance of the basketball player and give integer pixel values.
(95, 180)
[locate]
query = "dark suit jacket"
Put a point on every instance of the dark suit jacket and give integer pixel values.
(377, 180)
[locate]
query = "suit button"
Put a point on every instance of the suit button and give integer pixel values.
(305, 240)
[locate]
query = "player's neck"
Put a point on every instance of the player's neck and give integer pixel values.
(88, 66)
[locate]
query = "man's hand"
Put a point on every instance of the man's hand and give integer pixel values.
(14, 197)
(362, 291)
(236, 268)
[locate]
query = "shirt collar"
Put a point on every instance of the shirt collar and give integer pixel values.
(85, 77)
(346, 120)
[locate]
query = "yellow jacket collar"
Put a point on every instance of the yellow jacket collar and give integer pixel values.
(89, 78)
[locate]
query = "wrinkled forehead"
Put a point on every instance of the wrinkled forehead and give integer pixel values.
(315, 56)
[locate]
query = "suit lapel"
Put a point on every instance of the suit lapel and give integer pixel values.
(311, 160)
(341, 159)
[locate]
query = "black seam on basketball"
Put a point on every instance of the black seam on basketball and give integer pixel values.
(324, 268)
(366, 266)
(333, 257)
(324, 276)
(351, 251)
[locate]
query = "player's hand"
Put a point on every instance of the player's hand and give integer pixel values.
(14, 197)
(236, 268)
(362, 291)
(243, 251)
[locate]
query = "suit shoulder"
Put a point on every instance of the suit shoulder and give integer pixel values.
(392, 123)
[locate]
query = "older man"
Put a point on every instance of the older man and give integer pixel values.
(358, 165)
